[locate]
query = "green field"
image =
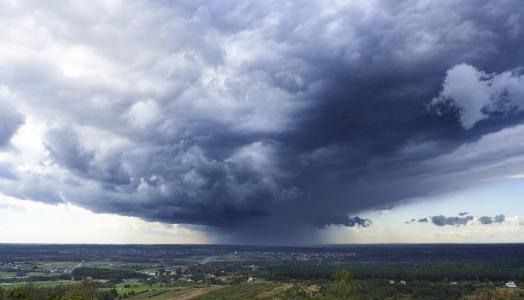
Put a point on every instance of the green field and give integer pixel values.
(7, 274)
(31, 274)
(136, 289)
(136, 286)
(40, 284)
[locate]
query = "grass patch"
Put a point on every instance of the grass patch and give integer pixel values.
(133, 286)
(30, 274)
(7, 274)
(39, 284)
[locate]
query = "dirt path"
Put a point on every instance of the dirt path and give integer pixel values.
(195, 293)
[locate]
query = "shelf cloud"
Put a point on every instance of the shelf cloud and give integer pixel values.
(258, 121)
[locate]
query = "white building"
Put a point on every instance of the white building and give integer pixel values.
(511, 284)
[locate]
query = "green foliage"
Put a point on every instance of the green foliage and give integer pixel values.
(82, 291)
(28, 292)
(343, 287)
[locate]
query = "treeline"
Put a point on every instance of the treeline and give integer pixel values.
(441, 271)
(413, 272)
(297, 271)
(114, 275)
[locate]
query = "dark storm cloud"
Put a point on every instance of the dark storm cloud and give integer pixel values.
(267, 120)
(486, 220)
(65, 149)
(452, 221)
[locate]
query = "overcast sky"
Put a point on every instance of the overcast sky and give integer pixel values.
(268, 122)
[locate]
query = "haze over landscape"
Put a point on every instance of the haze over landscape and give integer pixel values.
(261, 122)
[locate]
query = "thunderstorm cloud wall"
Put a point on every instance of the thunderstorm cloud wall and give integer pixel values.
(261, 121)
